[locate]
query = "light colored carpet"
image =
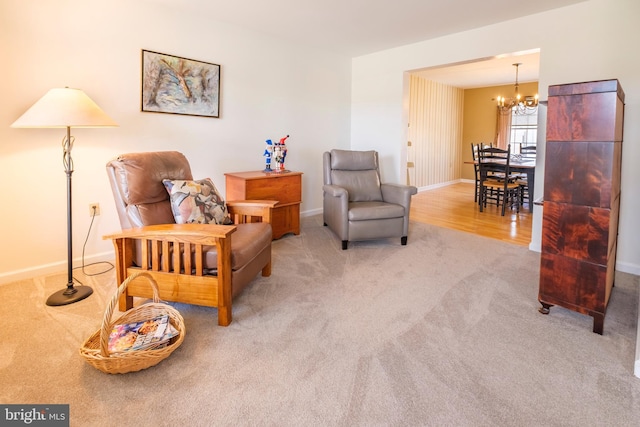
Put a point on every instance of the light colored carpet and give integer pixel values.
(443, 331)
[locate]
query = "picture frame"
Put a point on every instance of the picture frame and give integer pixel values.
(176, 85)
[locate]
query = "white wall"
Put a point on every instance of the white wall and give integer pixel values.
(269, 88)
(594, 40)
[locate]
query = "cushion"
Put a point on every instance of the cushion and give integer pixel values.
(364, 211)
(353, 160)
(196, 202)
(362, 186)
(139, 175)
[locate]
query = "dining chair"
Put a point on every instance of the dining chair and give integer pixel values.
(476, 167)
(528, 151)
(497, 183)
(476, 171)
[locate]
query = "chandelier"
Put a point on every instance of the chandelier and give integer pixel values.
(519, 104)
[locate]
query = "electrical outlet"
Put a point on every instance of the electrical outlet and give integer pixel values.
(94, 209)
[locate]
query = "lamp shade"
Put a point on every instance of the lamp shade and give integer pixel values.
(64, 107)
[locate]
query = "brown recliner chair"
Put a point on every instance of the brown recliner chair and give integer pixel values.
(202, 264)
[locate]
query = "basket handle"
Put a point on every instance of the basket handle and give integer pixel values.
(107, 323)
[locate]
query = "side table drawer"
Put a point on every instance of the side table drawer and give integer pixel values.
(284, 189)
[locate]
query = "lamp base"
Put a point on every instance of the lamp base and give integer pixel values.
(69, 295)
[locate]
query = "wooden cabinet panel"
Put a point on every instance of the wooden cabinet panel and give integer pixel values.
(285, 187)
(581, 197)
(582, 173)
(589, 111)
(580, 232)
(586, 117)
(583, 287)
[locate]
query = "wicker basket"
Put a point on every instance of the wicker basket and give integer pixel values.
(95, 348)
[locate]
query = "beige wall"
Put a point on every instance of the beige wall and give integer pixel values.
(479, 122)
(435, 131)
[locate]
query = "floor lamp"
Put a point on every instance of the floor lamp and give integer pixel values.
(66, 108)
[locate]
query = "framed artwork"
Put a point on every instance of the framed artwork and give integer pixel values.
(175, 85)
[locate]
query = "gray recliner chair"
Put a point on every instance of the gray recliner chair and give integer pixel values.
(356, 205)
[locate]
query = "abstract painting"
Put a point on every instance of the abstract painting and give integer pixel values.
(175, 85)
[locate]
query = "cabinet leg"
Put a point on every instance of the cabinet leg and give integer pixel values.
(545, 308)
(598, 323)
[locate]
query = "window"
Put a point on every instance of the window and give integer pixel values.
(524, 129)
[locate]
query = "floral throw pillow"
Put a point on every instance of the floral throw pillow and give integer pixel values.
(196, 202)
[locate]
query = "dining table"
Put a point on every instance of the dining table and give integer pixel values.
(525, 166)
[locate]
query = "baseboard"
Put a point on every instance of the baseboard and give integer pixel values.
(443, 184)
(636, 368)
(52, 268)
(535, 247)
(626, 267)
(311, 212)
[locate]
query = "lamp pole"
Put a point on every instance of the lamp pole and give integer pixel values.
(67, 144)
(71, 294)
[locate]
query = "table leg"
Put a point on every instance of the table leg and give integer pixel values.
(531, 178)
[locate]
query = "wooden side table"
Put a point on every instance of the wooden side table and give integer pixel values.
(285, 187)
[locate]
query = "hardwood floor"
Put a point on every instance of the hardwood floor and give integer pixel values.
(453, 207)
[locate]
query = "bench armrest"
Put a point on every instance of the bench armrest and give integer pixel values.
(243, 211)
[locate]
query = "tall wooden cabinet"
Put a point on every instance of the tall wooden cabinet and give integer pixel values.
(581, 197)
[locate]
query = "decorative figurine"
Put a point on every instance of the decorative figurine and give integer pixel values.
(268, 151)
(277, 151)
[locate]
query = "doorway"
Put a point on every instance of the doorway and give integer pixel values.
(455, 105)
(458, 108)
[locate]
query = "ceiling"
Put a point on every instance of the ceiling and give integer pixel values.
(486, 72)
(359, 27)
